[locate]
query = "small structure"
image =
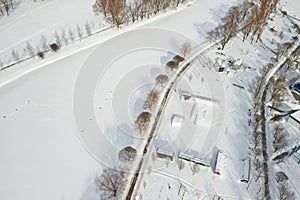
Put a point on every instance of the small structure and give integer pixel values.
(163, 149)
(164, 154)
(273, 30)
(194, 159)
(245, 170)
(295, 153)
(186, 97)
(218, 164)
(237, 64)
(191, 96)
(294, 120)
(176, 120)
(128, 154)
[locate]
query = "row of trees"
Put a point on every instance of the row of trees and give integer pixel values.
(6, 6)
(276, 94)
(112, 182)
(118, 12)
(256, 86)
(256, 89)
(283, 189)
(62, 38)
(143, 120)
(249, 17)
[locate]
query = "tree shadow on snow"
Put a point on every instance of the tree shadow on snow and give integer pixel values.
(90, 191)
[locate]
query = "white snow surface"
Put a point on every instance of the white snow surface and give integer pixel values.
(48, 153)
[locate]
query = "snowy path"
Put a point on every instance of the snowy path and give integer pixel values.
(269, 185)
(168, 91)
(16, 72)
(205, 191)
(30, 20)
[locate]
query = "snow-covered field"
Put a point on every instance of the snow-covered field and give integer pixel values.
(64, 119)
(30, 21)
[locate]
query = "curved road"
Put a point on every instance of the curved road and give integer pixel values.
(168, 91)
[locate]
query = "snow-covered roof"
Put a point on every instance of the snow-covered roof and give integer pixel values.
(296, 116)
(163, 145)
(238, 61)
(177, 120)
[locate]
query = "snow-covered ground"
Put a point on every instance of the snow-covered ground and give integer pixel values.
(29, 21)
(68, 118)
(41, 154)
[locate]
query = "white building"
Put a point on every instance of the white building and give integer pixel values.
(177, 120)
(219, 162)
(245, 170)
(294, 120)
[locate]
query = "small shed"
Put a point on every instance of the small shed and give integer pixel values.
(176, 120)
(294, 120)
(245, 170)
(218, 164)
(163, 149)
(238, 63)
(128, 154)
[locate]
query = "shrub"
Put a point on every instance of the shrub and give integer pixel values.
(41, 54)
(54, 47)
(173, 65)
(178, 58)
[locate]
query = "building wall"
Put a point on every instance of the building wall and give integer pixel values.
(294, 123)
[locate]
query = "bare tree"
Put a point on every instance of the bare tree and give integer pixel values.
(128, 154)
(279, 137)
(79, 32)
(178, 58)
(71, 35)
(162, 80)
(180, 164)
(195, 168)
(134, 10)
(281, 177)
(153, 156)
(282, 49)
(152, 100)
(172, 65)
(44, 44)
(223, 33)
(279, 89)
(6, 6)
(185, 48)
(284, 193)
(88, 29)
(29, 49)
(101, 6)
(256, 144)
(64, 37)
(118, 12)
(259, 170)
(167, 161)
(1, 64)
(57, 39)
(142, 121)
(257, 84)
(111, 184)
(15, 55)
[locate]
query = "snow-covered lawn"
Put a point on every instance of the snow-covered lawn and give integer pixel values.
(41, 154)
(68, 118)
